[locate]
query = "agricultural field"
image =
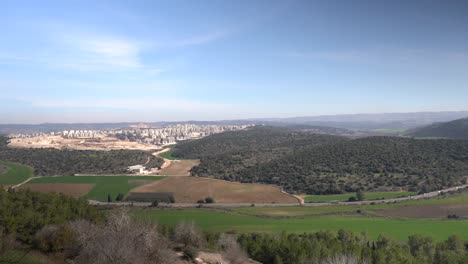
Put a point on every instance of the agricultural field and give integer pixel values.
(224, 222)
(72, 189)
(433, 209)
(103, 185)
(192, 189)
(14, 173)
(344, 197)
(179, 168)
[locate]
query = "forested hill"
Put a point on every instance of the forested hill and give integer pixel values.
(256, 138)
(453, 129)
(50, 162)
(224, 155)
(314, 164)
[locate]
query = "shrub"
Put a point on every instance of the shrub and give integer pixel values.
(209, 200)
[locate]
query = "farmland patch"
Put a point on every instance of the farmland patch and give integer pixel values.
(15, 173)
(71, 189)
(427, 211)
(192, 189)
(179, 168)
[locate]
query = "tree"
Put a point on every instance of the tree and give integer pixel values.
(360, 195)
(209, 200)
(189, 235)
(119, 197)
(109, 198)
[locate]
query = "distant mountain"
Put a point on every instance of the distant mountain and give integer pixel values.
(388, 121)
(394, 123)
(454, 129)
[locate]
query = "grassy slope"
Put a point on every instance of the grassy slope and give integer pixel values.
(104, 185)
(345, 197)
(16, 173)
(398, 229)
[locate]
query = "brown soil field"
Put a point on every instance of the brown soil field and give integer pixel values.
(426, 211)
(192, 189)
(72, 189)
(179, 168)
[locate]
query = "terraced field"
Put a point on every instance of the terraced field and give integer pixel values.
(103, 185)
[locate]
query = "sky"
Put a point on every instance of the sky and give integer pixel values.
(143, 61)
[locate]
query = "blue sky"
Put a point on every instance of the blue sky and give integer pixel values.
(108, 61)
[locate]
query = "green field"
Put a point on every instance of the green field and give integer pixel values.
(104, 185)
(218, 221)
(294, 211)
(168, 155)
(345, 197)
(15, 174)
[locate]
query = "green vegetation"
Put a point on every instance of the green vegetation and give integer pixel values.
(23, 212)
(168, 154)
(104, 185)
(348, 247)
(453, 129)
(319, 164)
(344, 197)
(50, 162)
(295, 211)
(222, 222)
(15, 173)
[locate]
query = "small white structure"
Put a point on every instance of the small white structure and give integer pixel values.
(137, 168)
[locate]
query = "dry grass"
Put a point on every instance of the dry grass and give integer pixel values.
(179, 168)
(71, 189)
(192, 189)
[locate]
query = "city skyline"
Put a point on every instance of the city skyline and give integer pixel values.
(116, 61)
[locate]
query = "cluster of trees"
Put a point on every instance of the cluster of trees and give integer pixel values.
(23, 212)
(348, 247)
(50, 162)
(320, 164)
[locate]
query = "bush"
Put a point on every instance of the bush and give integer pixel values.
(209, 200)
(352, 199)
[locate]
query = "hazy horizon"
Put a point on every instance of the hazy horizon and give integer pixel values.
(399, 116)
(120, 61)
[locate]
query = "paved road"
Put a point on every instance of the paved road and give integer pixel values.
(194, 205)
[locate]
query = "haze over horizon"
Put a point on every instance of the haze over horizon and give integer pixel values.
(117, 61)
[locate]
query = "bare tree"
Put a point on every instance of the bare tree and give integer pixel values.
(189, 235)
(231, 250)
(122, 240)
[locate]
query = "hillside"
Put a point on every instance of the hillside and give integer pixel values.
(454, 129)
(50, 162)
(319, 164)
(225, 154)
